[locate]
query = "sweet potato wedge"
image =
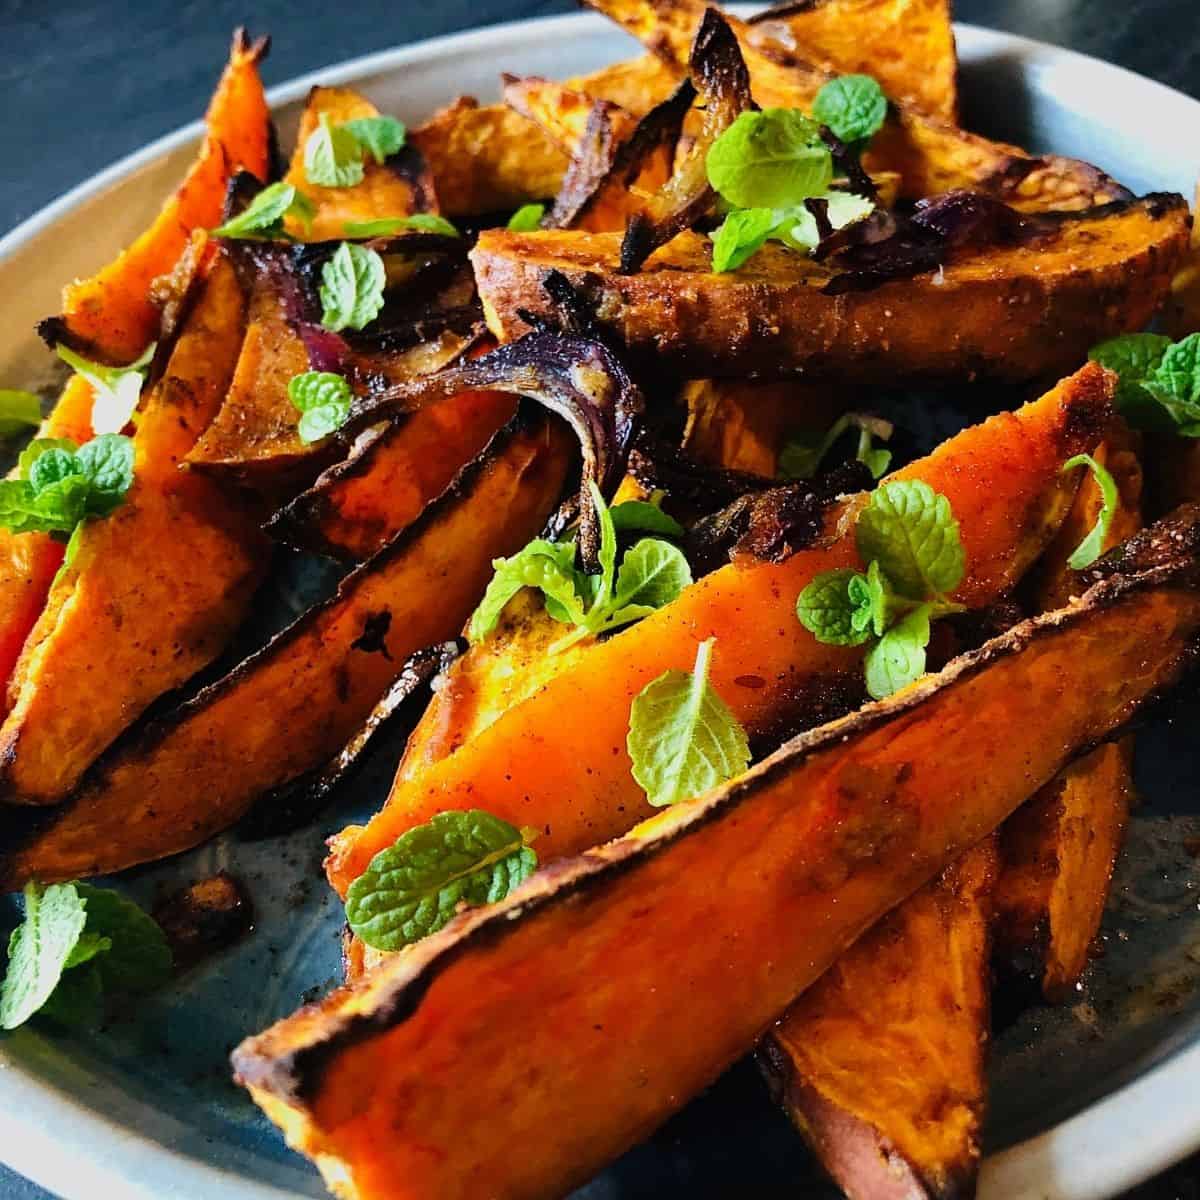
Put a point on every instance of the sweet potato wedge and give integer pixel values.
(145, 622)
(1011, 312)
(29, 561)
(171, 787)
(397, 188)
(111, 315)
(1002, 481)
(1183, 309)
(490, 1034)
(562, 111)
(393, 471)
(881, 1062)
(908, 45)
(929, 156)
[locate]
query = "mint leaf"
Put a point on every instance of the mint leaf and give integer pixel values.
(770, 159)
(827, 610)
(607, 554)
(323, 400)
(78, 1001)
(351, 290)
(652, 574)
(117, 389)
(263, 217)
(683, 740)
(910, 529)
(51, 467)
(852, 106)
(18, 411)
(644, 517)
(388, 226)
(38, 950)
(333, 156)
(37, 448)
(1092, 545)
(1175, 384)
(527, 218)
(547, 566)
(58, 508)
(898, 657)
(419, 883)
(741, 235)
(801, 457)
(381, 137)
(88, 946)
(138, 959)
(107, 463)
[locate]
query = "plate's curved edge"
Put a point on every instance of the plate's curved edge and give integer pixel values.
(1079, 1159)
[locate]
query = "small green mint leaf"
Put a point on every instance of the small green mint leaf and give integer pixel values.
(323, 400)
(389, 226)
(527, 218)
(652, 575)
(70, 553)
(320, 422)
(38, 950)
(1092, 545)
(139, 958)
(800, 458)
(770, 159)
(608, 550)
(107, 463)
(742, 234)
(683, 740)
(1134, 357)
(51, 466)
(1175, 383)
(37, 448)
(826, 609)
(641, 516)
(898, 658)
(910, 529)
(57, 508)
(351, 290)
(18, 411)
(547, 566)
(263, 217)
(852, 106)
(875, 458)
(88, 946)
(333, 156)
(418, 884)
(381, 137)
(78, 1001)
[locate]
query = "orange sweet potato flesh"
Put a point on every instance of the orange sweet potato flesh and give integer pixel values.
(1182, 315)
(881, 1062)
(1012, 312)
(929, 155)
(394, 471)
(397, 188)
(172, 788)
(29, 561)
(1003, 484)
(907, 45)
(689, 936)
(111, 316)
(145, 622)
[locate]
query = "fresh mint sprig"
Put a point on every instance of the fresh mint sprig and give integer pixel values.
(419, 883)
(770, 159)
(334, 154)
(683, 739)
(527, 218)
(853, 107)
(1092, 545)
(351, 290)
(323, 401)
(802, 456)
(264, 216)
(652, 573)
(909, 539)
(1160, 380)
(76, 944)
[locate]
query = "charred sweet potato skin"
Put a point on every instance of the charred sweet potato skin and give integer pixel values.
(1003, 483)
(357, 505)
(145, 621)
(404, 1085)
(881, 1062)
(172, 788)
(1011, 313)
(111, 315)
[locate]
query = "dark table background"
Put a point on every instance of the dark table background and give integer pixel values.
(84, 84)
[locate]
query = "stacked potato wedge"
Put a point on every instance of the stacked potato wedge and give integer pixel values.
(537, 402)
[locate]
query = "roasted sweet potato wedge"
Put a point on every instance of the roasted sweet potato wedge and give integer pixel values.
(908, 45)
(111, 316)
(1183, 309)
(144, 622)
(172, 788)
(1012, 312)
(397, 188)
(1003, 484)
(929, 156)
(562, 111)
(881, 1062)
(404, 1085)
(394, 470)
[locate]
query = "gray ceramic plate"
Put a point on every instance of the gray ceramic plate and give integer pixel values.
(1087, 1100)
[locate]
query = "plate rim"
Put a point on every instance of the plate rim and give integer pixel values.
(1084, 1157)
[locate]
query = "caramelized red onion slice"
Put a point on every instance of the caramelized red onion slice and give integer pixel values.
(577, 378)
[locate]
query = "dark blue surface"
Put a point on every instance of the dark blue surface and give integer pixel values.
(86, 84)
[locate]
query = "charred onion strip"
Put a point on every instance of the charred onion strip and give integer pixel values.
(578, 379)
(719, 76)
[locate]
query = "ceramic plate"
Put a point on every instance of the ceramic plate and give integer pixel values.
(1087, 1100)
